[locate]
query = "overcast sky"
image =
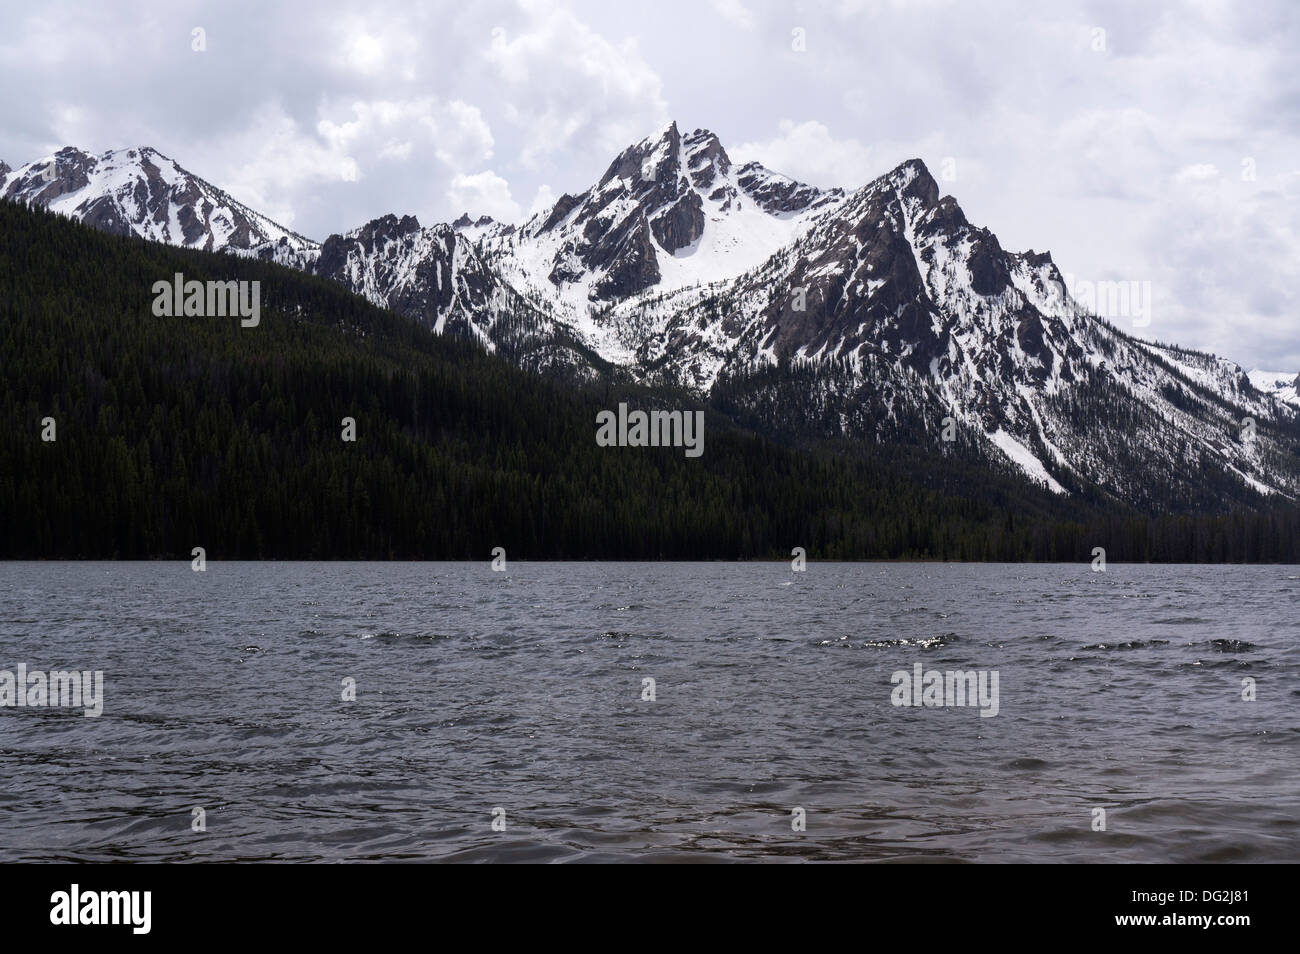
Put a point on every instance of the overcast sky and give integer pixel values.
(1138, 141)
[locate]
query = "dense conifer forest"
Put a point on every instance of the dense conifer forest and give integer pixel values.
(176, 432)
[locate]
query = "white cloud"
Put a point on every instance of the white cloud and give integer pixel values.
(808, 152)
(1200, 172)
(483, 193)
(1093, 155)
(373, 47)
(462, 134)
(569, 86)
(396, 149)
(364, 53)
(543, 200)
(272, 160)
(455, 132)
(734, 12)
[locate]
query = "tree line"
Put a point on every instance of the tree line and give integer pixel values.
(177, 432)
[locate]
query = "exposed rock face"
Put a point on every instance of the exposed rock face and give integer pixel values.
(875, 315)
(631, 264)
(367, 242)
(681, 223)
(684, 188)
(777, 194)
(437, 277)
(896, 313)
(467, 222)
(142, 192)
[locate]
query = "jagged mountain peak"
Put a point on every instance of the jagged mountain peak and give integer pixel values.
(911, 183)
(906, 314)
(467, 221)
(875, 314)
(663, 158)
(913, 177)
(386, 227)
(705, 157)
(476, 229)
(436, 275)
(670, 210)
(139, 191)
(646, 161)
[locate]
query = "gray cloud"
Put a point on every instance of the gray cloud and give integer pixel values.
(1089, 128)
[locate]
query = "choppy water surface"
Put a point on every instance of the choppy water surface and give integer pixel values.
(477, 690)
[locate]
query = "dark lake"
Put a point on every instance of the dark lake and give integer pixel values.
(518, 697)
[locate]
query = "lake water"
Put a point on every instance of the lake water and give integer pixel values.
(517, 697)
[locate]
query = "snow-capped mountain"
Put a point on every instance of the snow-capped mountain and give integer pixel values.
(670, 212)
(881, 315)
(142, 192)
(892, 314)
(1282, 385)
(436, 276)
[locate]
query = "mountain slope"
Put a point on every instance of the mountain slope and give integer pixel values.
(1281, 385)
(142, 192)
(436, 276)
(906, 315)
(880, 317)
(180, 432)
(671, 211)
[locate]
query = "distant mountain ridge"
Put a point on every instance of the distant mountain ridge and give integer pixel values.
(1283, 385)
(880, 315)
(177, 433)
(142, 192)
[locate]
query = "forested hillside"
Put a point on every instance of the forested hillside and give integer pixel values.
(177, 432)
